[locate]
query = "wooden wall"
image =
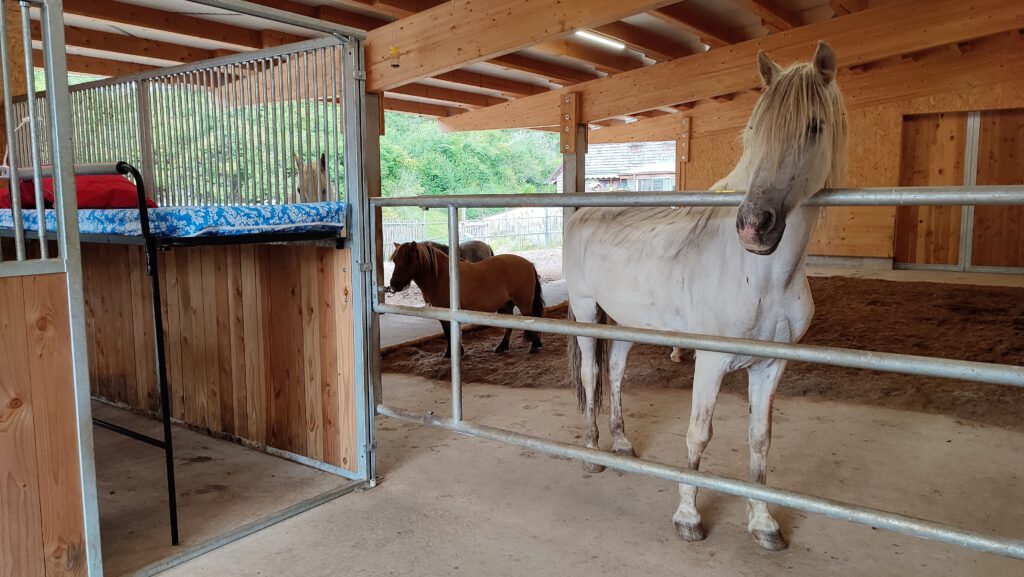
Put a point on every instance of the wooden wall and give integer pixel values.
(41, 523)
(999, 230)
(940, 82)
(257, 340)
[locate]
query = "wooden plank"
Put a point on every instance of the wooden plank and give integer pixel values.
(56, 425)
(328, 297)
(255, 346)
(421, 108)
(344, 326)
(932, 155)
(568, 123)
(699, 22)
(998, 238)
(96, 66)
(122, 349)
(190, 286)
(147, 392)
(20, 524)
(462, 32)
(774, 17)
(311, 352)
(717, 72)
(210, 391)
(236, 339)
(171, 288)
(129, 45)
(557, 73)
(505, 86)
(459, 97)
(222, 320)
(601, 59)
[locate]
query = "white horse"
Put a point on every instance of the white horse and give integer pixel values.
(312, 184)
(682, 270)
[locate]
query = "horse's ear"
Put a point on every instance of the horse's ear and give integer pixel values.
(323, 162)
(768, 69)
(825, 62)
(396, 244)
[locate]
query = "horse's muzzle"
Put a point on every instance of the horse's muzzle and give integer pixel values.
(760, 229)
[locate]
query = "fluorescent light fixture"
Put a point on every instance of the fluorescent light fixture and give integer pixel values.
(601, 39)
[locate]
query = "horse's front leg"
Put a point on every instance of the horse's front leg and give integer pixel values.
(503, 345)
(707, 379)
(763, 380)
(617, 354)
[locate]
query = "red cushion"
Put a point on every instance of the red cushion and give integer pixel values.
(99, 191)
(28, 198)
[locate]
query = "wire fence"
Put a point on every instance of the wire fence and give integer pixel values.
(511, 231)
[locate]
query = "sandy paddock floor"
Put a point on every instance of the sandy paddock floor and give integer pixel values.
(961, 322)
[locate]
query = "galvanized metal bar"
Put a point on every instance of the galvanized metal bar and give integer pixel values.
(238, 137)
(12, 144)
(835, 356)
(34, 128)
(279, 159)
(828, 507)
(179, 139)
(306, 118)
(291, 84)
(227, 151)
(454, 280)
(892, 196)
(144, 125)
(213, 179)
(55, 68)
(31, 267)
(335, 102)
(188, 113)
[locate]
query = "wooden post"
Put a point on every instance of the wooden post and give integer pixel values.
(682, 153)
(573, 145)
(371, 171)
(16, 65)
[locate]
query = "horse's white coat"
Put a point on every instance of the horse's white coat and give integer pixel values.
(312, 183)
(694, 269)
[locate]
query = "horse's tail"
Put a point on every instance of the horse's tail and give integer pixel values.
(576, 366)
(537, 309)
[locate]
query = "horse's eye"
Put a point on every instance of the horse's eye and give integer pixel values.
(814, 127)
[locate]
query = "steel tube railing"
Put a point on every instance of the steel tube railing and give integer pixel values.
(895, 196)
(828, 507)
(12, 145)
(835, 356)
(455, 328)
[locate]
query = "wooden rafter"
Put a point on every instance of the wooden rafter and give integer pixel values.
(715, 72)
(557, 73)
(130, 45)
(696, 21)
(132, 15)
(653, 45)
(420, 108)
(848, 6)
(393, 8)
(329, 13)
(601, 59)
(774, 17)
(505, 86)
(457, 97)
(460, 32)
(934, 73)
(96, 66)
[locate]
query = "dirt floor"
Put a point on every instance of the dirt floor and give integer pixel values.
(961, 322)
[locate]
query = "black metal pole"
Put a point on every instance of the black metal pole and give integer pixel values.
(152, 269)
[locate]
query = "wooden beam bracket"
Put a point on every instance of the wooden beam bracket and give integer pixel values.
(569, 121)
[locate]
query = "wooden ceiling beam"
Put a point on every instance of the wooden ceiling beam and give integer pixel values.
(393, 8)
(557, 73)
(653, 45)
(507, 87)
(166, 21)
(129, 45)
(96, 66)
(774, 17)
(843, 7)
(458, 97)
(893, 29)
(329, 13)
(987, 63)
(460, 32)
(696, 21)
(603, 60)
(421, 108)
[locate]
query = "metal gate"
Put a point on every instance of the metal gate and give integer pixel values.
(898, 363)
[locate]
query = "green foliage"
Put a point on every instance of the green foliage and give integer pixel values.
(417, 158)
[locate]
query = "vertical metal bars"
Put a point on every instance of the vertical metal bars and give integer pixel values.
(455, 346)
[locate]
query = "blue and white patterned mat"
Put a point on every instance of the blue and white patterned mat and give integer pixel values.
(191, 221)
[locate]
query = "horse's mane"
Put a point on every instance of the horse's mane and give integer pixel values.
(424, 256)
(782, 114)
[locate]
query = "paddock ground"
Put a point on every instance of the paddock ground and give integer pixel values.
(454, 505)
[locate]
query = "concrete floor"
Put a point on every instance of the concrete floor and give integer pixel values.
(453, 505)
(221, 486)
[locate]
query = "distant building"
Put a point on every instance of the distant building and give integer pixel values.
(637, 166)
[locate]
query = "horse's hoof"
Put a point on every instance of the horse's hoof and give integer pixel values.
(770, 540)
(690, 532)
(593, 468)
(624, 450)
(501, 349)
(534, 350)
(676, 358)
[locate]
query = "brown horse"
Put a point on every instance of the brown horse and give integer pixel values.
(471, 250)
(497, 284)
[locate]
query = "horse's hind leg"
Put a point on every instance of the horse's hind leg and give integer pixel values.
(763, 380)
(503, 345)
(707, 379)
(586, 312)
(617, 354)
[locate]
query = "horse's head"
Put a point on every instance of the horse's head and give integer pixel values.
(312, 184)
(793, 146)
(411, 259)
